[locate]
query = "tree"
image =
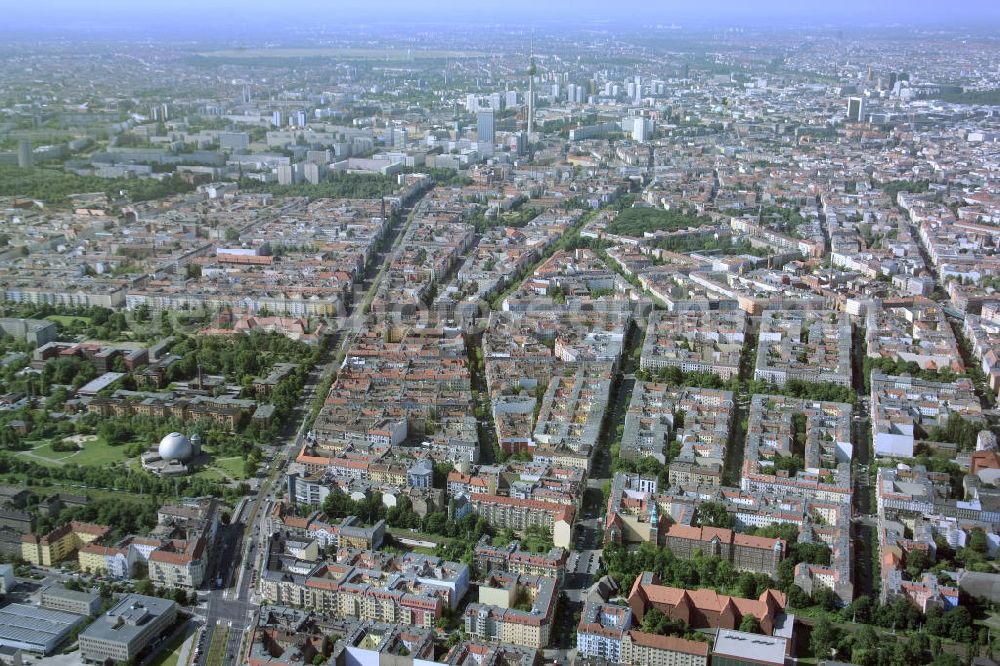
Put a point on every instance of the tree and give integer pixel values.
(859, 610)
(917, 561)
(945, 659)
(441, 471)
(813, 552)
(54, 186)
(978, 541)
(823, 639)
(749, 624)
(145, 587)
(906, 652)
(636, 221)
(714, 514)
(864, 652)
(654, 621)
(436, 522)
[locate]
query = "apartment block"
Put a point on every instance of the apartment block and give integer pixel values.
(694, 420)
(983, 333)
(601, 630)
(805, 345)
(365, 585)
(904, 408)
(519, 514)
(372, 642)
(515, 609)
(913, 333)
(638, 647)
(695, 341)
(514, 559)
(812, 438)
(60, 543)
(572, 412)
(480, 653)
(350, 532)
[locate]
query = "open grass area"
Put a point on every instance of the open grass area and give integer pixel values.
(422, 551)
(94, 452)
(233, 466)
(67, 320)
(209, 474)
(355, 53)
(74, 488)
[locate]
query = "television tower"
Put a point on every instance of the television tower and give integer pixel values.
(531, 97)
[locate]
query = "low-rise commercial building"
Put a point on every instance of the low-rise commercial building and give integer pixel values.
(739, 648)
(58, 598)
(124, 631)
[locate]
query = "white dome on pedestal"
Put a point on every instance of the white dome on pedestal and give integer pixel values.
(175, 446)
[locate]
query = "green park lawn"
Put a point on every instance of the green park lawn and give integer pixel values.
(67, 320)
(422, 551)
(209, 474)
(95, 452)
(98, 453)
(233, 466)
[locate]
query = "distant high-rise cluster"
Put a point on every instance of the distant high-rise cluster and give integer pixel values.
(857, 108)
(485, 128)
(25, 159)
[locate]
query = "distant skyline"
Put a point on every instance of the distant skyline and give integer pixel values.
(227, 16)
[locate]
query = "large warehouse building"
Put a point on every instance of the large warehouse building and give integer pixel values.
(35, 629)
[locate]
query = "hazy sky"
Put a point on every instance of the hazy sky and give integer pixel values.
(223, 15)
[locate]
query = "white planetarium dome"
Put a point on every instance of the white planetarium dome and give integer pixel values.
(175, 446)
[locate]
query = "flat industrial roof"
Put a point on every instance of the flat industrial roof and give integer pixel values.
(63, 593)
(754, 647)
(128, 618)
(95, 385)
(21, 623)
